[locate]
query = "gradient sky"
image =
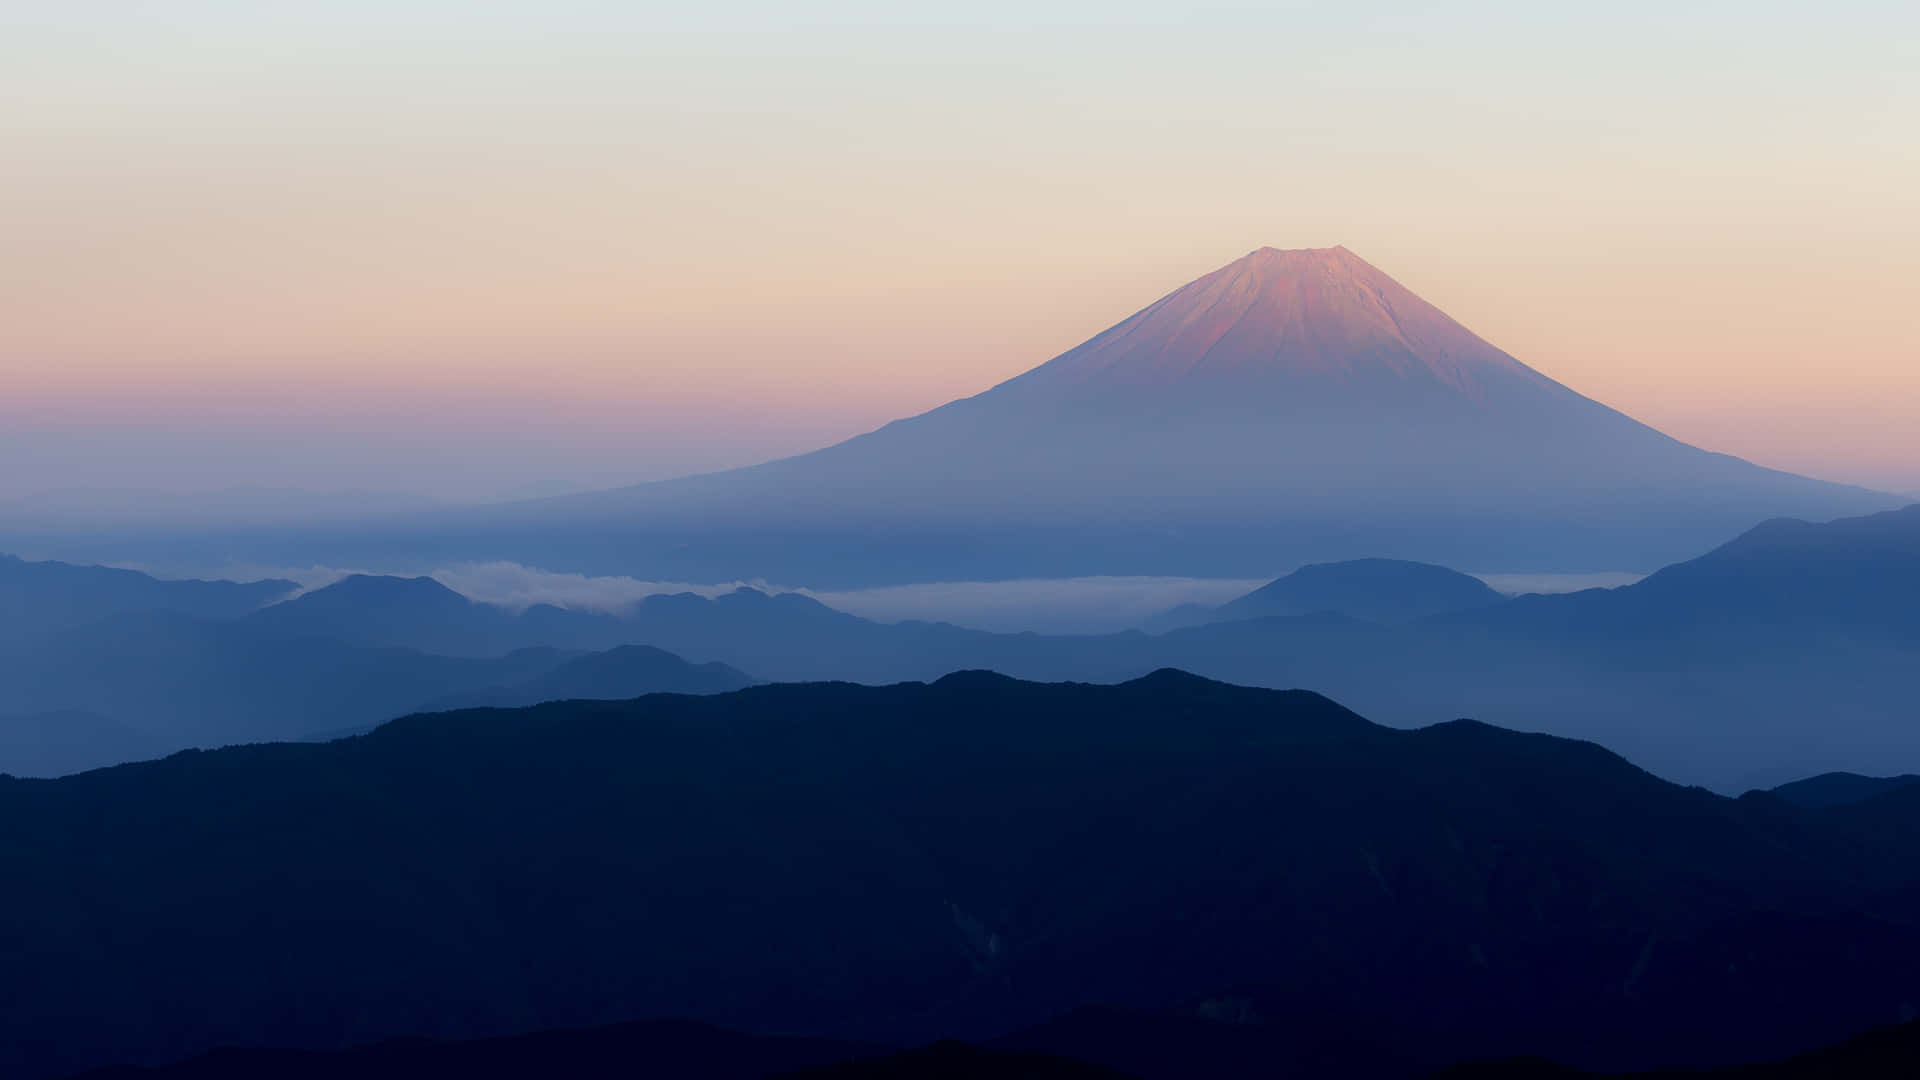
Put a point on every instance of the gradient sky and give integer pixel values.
(475, 249)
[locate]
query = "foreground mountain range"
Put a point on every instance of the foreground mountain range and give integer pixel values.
(968, 858)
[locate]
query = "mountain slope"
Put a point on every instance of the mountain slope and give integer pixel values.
(1862, 573)
(967, 857)
(1291, 407)
(1850, 579)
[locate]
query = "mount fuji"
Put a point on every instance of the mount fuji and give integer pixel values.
(1290, 407)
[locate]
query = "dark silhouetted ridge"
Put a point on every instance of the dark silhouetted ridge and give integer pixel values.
(1839, 788)
(900, 863)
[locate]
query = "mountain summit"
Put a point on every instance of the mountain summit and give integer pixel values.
(1290, 407)
(1315, 314)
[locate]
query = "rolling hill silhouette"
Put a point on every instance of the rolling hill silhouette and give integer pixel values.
(1759, 662)
(420, 613)
(963, 858)
(1840, 789)
(136, 686)
(627, 671)
(1784, 652)
(190, 682)
(1859, 574)
(1377, 590)
(41, 598)
(417, 613)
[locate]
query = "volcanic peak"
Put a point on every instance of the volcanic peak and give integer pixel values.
(1317, 315)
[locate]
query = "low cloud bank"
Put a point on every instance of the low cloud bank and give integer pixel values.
(1087, 605)
(1516, 584)
(1059, 606)
(1071, 605)
(1082, 605)
(511, 585)
(503, 584)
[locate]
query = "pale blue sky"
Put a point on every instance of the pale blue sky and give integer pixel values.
(235, 228)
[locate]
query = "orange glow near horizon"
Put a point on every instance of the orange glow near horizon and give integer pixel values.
(810, 230)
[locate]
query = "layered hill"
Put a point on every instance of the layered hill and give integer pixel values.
(1785, 652)
(1840, 789)
(1377, 590)
(965, 858)
(105, 666)
(1291, 407)
(41, 598)
(1759, 662)
(626, 671)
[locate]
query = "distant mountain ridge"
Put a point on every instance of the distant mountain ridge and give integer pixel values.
(1377, 590)
(39, 598)
(1861, 573)
(1711, 671)
(1855, 569)
(626, 671)
(102, 666)
(422, 613)
(650, 1050)
(1718, 671)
